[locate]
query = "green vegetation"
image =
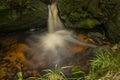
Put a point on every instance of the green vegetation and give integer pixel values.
(92, 13)
(19, 74)
(105, 66)
(56, 74)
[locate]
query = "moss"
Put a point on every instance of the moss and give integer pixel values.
(114, 32)
(78, 13)
(89, 14)
(22, 16)
(89, 23)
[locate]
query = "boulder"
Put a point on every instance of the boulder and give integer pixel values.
(22, 15)
(87, 14)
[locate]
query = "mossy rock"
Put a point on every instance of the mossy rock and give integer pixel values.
(113, 24)
(113, 28)
(77, 13)
(90, 14)
(16, 16)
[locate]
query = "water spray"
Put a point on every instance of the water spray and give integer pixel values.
(56, 31)
(55, 42)
(55, 45)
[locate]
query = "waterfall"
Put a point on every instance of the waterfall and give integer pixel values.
(56, 28)
(54, 22)
(55, 45)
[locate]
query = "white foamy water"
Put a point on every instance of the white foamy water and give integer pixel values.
(53, 46)
(54, 22)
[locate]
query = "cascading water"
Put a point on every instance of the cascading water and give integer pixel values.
(55, 45)
(54, 22)
(57, 33)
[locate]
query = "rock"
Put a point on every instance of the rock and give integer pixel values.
(113, 24)
(79, 13)
(90, 14)
(113, 29)
(16, 16)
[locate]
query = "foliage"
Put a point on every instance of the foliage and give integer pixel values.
(77, 73)
(19, 74)
(106, 63)
(56, 74)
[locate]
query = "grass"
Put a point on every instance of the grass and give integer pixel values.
(55, 74)
(105, 65)
(102, 63)
(20, 77)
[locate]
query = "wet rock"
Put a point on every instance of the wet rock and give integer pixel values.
(16, 15)
(79, 13)
(113, 29)
(90, 14)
